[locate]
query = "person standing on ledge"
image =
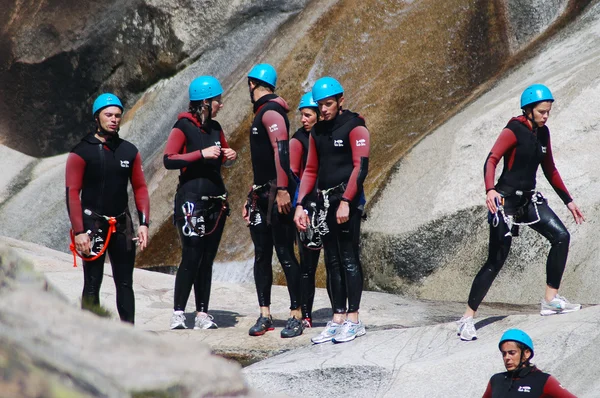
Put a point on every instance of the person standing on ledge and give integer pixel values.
(514, 201)
(522, 378)
(99, 169)
(197, 148)
(309, 244)
(338, 162)
(268, 210)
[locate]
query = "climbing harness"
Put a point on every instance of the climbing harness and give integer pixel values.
(195, 225)
(254, 216)
(311, 238)
(97, 243)
(536, 198)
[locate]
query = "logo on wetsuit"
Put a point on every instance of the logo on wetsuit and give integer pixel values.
(338, 142)
(254, 130)
(273, 128)
(544, 149)
(524, 389)
(124, 163)
(361, 142)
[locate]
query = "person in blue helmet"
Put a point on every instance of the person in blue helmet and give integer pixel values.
(197, 148)
(98, 172)
(522, 378)
(268, 210)
(309, 242)
(338, 162)
(514, 201)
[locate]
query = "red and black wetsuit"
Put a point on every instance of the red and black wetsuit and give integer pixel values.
(524, 150)
(201, 184)
(101, 172)
(338, 161)
(309, 259)
(526, 382)
(269, 149)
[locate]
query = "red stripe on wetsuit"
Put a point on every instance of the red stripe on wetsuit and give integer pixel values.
(360, 146)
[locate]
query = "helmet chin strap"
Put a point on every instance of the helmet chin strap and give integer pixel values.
(252, 92)
(105, 134)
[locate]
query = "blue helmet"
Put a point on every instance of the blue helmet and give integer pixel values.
(535, 93)
(265, 73)
(307, 101)
(518, 336)
(104, 100)
(204, 87)
(326, 87)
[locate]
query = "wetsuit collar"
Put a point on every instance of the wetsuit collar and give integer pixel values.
(263, 100)
(331, 125)
(112, 141)
(190, 117)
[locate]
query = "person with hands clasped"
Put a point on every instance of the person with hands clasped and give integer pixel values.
(513, 202)
(338, 160)
(197, 148)
(98, 172)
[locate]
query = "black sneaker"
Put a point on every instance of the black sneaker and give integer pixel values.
(293, 328)
(263, 324)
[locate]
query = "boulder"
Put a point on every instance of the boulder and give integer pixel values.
(58, 349)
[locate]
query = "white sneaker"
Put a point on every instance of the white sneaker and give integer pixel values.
(558, 305)
(204, 321)
(330, 331)
(466, 328)
(349, 332)
(178, 321)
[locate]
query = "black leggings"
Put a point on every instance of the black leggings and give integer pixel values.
(344, 270)
(309, 260)
(280, 234)
(549, 226)
(197, 254)
(121, 252)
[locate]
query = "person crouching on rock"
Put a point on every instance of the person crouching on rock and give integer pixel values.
(268, 210)
(521, 377)
(513, 201)
(309, 242)
(197, 148)
(100, 168)
(338, 160)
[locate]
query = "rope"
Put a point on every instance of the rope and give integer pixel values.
(112, 222)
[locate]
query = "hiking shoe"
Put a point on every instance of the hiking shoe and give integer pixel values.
(330, 331)
(349, 332)
(204, 321)
(263, 324)
(293, 328)
(307, 323)
(466, 328)
(558, 305)
(178, 321)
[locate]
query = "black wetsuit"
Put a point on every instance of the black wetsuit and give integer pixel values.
(338, 164)
(201, 184)
(523, 151)
(270, 164)
(309, 258)
(101, 173)
(527, 382)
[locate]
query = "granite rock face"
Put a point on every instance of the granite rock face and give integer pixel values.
(57, 56)
(60, 350)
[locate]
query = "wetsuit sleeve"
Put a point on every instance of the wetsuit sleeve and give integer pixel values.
(505, 142)
(488, 391)
(140, 191)
(74, 182)
(173, 157)
(553, 176)
(360, 146)
(554, 389)
(296, 152)
(309, 177)
(275, 126)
